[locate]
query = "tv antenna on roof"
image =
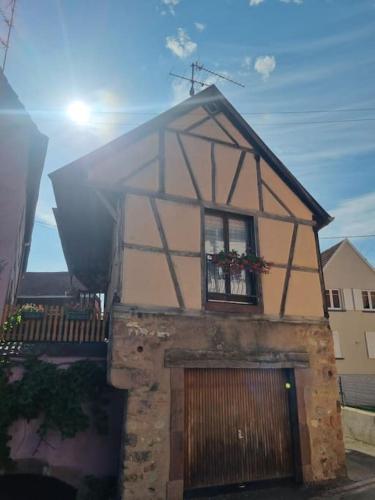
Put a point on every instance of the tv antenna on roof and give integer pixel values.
(195, 67)
(8, 20)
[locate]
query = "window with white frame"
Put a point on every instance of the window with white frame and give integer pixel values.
(368, 300)
(333, 298)
(370, 343)
(337, 345)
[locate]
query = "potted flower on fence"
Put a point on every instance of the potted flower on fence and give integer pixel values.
(77, 311)
(234, 263)
(31, 311)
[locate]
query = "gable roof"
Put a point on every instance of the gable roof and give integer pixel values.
(83, 217)
(209, 96)
(327, 254)
(330, 252)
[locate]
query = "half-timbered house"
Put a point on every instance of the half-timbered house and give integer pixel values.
(229, 373)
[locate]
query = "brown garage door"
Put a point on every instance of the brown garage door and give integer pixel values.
(237, 426)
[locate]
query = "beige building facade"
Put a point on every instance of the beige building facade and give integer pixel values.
(214, 363)
(350, 284)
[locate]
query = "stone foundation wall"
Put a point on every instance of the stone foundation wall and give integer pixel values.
(143, 348)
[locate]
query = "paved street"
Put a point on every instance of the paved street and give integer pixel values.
(359, 486)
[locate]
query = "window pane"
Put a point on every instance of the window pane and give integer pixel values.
(238, 240)
(372, 300)
(214, 244)
(215, 278)
(328, 298)
(238, 235)
(239, 284)
(366, 301)
(336, 299)
(214, 234)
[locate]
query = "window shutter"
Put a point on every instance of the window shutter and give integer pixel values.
(358, 302)
(370, 342)
(348, 299)
(337, 345)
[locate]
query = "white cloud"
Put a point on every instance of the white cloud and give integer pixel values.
(253, 3)
(353, 216)
(200, 26)
(246, 63)
(45, 216)
(181, 45)
(265, 65)
(298, 2)
(170, 4)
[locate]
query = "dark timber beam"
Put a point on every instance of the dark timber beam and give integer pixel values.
(277, 198)
(302, 269)
(228, 134)
(149, 248)
(213, 172)
(236, 177)
(259, 182)
(321, 275)
(197, 124)
(210, 139)
(215, 206)
(188, 165)
(163, 238)
(139, 169)
(288, 270)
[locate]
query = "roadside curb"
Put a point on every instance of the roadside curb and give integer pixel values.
(353, 487)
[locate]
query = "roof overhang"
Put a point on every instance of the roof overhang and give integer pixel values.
(85, 228)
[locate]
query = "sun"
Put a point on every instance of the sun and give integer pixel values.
(79, 112)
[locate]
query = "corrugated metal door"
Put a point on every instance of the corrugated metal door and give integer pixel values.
(237, 426)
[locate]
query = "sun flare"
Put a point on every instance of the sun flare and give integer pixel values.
(79, 112)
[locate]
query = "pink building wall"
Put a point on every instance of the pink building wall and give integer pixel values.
(22, 154)
(69, 460)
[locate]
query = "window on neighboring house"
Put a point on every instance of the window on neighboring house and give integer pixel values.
(333, 298)
(226, 232)
(337, 345)
(370, 342)
(368, 299)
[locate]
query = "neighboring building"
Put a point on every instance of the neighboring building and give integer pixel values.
(350, 295)
(22, 153)
(49, 288)
(230, 376)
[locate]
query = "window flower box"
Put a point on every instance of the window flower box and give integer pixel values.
(32, 314)
(77, 315)
(234, 263)
(32, 311)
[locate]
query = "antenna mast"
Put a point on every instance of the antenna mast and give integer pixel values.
(9, 22)
(195, 67)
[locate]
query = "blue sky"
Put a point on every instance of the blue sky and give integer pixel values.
(295, 58)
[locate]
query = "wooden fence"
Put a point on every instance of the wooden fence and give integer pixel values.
(56, 326)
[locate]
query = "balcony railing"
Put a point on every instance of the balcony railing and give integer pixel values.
(55, 324)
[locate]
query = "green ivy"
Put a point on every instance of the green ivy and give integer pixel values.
(67, 399)
(14, 320)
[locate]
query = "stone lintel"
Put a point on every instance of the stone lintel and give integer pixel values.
(188, 358)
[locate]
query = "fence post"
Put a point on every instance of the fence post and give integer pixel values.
(341, 390)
